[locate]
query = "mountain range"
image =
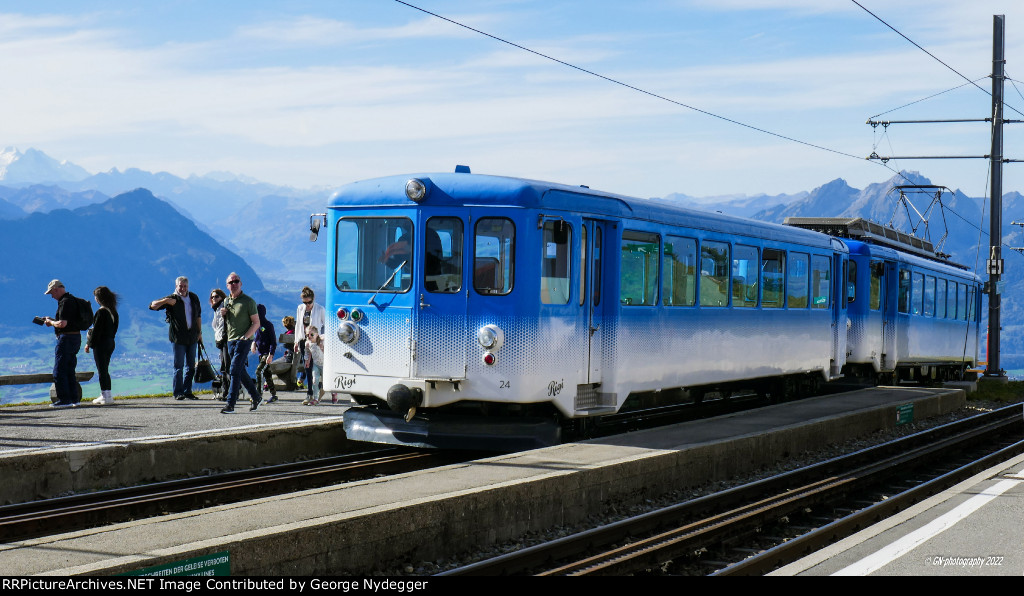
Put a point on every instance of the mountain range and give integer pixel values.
(135, 231)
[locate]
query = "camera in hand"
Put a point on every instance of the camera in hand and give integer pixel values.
(39, 320)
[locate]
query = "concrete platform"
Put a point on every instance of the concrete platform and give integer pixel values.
(356, 527)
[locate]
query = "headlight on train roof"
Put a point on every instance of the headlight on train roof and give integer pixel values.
(348, 333)
(416, 190)
(491, 337)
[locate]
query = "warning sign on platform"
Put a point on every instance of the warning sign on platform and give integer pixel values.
(212, 564)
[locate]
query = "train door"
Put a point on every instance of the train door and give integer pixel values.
(439, 333)
(592, 295)
(841, 264)
(891, 290)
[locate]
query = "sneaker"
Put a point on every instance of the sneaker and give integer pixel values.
(189, 395)
(61, 405)
(179, 397)
(255, 404)
(307, 402)
(100, 401)
(273, 398)
(228, 410)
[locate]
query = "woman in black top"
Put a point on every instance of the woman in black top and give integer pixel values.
(101, 340)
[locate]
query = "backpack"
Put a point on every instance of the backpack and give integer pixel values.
(84, 310)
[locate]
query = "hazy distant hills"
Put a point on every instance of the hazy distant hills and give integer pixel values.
(134, 243)
(57, 220)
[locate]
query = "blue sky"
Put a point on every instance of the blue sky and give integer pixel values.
(321, 93)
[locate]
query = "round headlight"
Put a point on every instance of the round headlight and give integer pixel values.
(490, 337)
(416, 190)
(348, 333)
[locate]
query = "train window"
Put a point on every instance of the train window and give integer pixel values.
(929, 296)
(940, 298)
(821, 282)
(961, 302)
(374, 254)
(877, 284)
(442, 266)
(904, 302)
(796, 281)
(851, 282)
(951, 300)
(773, 278)
(917, 294)
(583, 264)
(597, 266)
(714, 273)
(971, 305)
(680, 270)
(639, 268)
(745, 267)
(555, 261)
(494, 256)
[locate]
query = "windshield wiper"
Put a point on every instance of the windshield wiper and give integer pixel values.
(384, 285)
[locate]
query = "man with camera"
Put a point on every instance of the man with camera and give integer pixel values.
(184, 315)
(67, 325)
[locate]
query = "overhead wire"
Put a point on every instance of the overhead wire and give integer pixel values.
(702, 111)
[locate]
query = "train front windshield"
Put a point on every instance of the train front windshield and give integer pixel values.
(374, 254)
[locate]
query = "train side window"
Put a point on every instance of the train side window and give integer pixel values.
(638, 282)
(714, 273)
(917, 294)
(597, 267)
(442, 268)
(583, 264)
(821, 282)
(745, 267)
(773, 278)
(904, 302)
(555, 270)
(961, 302)
(796, 281)
(940, 299)
(679, 283)
(951, 300)
(971, 305)
(851, 282)
(494, 256)
(929, 296)
(877, 285)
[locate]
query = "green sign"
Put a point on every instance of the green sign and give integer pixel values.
(212, 564)
(904, 414)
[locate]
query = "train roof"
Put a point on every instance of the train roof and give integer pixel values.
(465, 189)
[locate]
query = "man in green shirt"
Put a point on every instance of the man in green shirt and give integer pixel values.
(241, 321)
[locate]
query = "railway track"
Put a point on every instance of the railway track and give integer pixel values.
(754, 528)
(49, 516)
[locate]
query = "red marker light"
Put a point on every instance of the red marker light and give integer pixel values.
(342, 314)
(488, 359)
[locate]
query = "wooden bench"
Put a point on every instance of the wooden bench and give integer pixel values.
(287, 372)
(33, 379)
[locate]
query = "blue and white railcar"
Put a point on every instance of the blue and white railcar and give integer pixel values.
(912, 315)
(521, 304)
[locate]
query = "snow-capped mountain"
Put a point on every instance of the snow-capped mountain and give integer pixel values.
(35, 167)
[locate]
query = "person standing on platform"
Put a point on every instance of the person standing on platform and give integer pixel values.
(184, 316)
(309, 313)
(66, 325)
(217, 297)
(101, 340)
(265, 346)
(242, 320)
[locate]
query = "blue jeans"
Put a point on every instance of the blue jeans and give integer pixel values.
(238, 350)
(184, 368)
(65, 359)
